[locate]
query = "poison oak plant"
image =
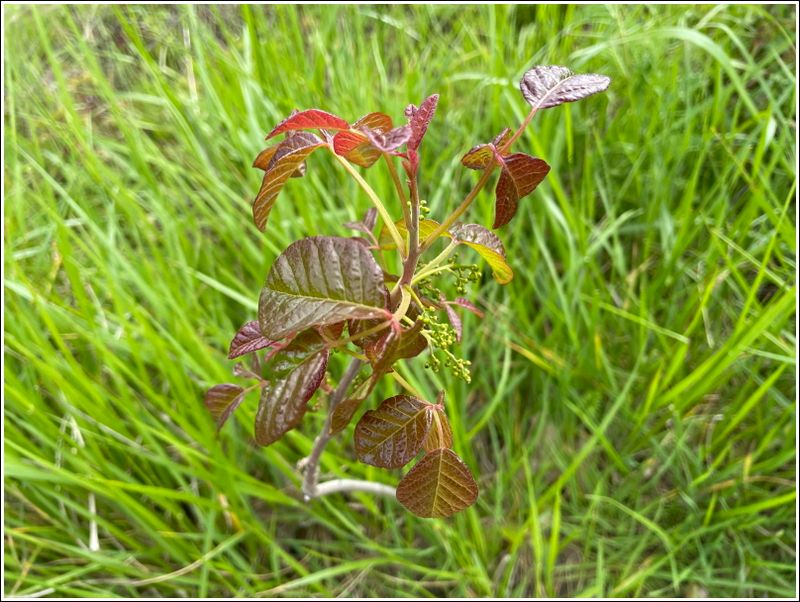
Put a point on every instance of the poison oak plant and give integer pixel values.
(373, 298)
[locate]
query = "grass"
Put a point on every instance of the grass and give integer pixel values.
(632, 410)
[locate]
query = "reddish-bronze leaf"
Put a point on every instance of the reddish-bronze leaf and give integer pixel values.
(247, 340)
(391, 435)
(379, 122)
(419, 119)
(502, 138)
(265, 156)
(440, 434)
(356, 148)
(520, 176)
(295, 374)
(312, 119)
(321, 280)
(546, 86)
(287, 158)
(439, 486)
(344, 412)
(222, 401)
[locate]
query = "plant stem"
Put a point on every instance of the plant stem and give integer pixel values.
(435, 261)
(450, 220)
(387, 219)
(399, 187)
(346, 485)
(311, 479)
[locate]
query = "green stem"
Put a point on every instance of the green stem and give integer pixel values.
(401, 194)
(387, 219)
(448, 250)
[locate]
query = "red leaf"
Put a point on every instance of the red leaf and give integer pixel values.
(420, 118)
(380, 122)
(520, 176)
(247, 340)
(440, 435)
(311, 119)
(286, 159)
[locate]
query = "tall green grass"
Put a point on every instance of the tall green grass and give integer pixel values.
(632, 412)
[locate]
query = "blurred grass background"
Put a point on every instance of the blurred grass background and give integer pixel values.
(632, 412)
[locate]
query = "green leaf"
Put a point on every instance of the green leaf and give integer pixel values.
(520, 176)
(321, 280)
(222, 401)
(294, 375)
(426, 227)
(312, 119)
(488, 246)
(287, 158)
(483, 155)
(439, 486)
(391, 435)
(546, 86)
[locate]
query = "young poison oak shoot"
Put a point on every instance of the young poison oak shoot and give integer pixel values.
(371, 296)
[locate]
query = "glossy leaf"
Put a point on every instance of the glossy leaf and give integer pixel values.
(356, 148)
(321, 280)
(391, 435)
(295, 374)
(520, 176)
(247, 340)
(440, 435)
(419, 118)
(548, 86)
(311, 119)
(439, 486)
(488, 246)
(288, 157)
(394, 345)
(222, 401)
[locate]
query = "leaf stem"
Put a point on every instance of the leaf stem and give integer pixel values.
(311, 463)
(401, 194)
(376, 201)
(450, 220)
(448, 250)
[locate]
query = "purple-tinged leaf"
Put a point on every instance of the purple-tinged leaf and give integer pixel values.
(287, 158)
(391, 435)
(265, 157)
(222, 401)
(520, 176)
(488, 246)
(295, 374)
(312, 119)
(439, 486)
(247, 340)
(468, 305)
(453, 318)
(321, 280)
(391, 140)
(483, 155)
(419, 119)
(440, 435)
(367, 223)
(548, 86)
